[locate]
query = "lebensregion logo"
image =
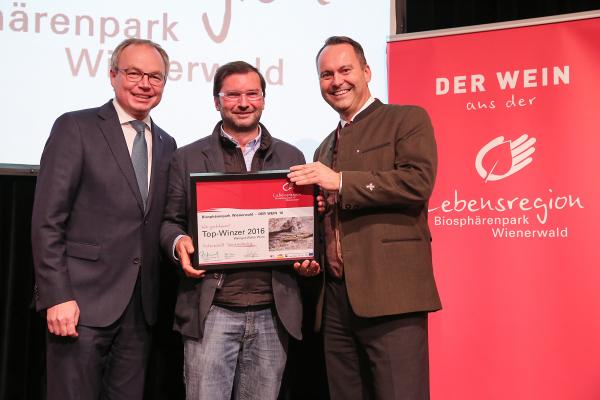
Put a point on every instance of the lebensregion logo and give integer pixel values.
(515, 213)
(500, 158)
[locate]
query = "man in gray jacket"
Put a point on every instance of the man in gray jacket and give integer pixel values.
(235, 323)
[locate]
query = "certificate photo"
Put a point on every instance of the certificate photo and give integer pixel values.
(250, 220)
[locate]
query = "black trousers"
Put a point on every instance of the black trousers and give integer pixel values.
(102, 363)
(379, 358)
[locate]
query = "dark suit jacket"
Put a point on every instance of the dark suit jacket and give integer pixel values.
(196, 295)
(388, 160)
(90, 233)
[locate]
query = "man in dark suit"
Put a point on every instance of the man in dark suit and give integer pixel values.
(377, 171)
(235, 322)
(99, 201)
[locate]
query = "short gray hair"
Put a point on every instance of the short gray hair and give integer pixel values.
(114, 59)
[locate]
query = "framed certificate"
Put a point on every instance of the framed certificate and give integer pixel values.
(249, 220)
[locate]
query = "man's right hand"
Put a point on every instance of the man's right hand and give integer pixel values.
(184, 248)
(315, 173)
(63, 319)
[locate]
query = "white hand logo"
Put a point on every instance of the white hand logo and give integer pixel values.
(520, 152)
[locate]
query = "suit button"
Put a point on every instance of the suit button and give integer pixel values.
(145, 222)
(137, 260)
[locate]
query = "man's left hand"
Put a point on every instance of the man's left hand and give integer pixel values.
(315, 173)
(307, 268)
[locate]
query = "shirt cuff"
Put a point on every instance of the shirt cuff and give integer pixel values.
(174, 245)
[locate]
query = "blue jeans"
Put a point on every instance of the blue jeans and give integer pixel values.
(242, 350)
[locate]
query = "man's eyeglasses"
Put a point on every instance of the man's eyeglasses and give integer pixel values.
(135, 75)
(253, 95)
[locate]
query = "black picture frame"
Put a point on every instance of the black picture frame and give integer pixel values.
(198, 179)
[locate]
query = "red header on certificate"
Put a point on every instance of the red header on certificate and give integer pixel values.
(252, 194)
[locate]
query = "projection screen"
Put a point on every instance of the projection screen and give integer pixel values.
(56, 59)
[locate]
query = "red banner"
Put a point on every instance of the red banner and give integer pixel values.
(515, 208)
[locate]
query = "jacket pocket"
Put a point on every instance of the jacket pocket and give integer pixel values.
(401, 234)
(396, 240)
(375, 147)
(84, 251)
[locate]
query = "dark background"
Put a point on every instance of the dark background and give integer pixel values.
(425, 15)
(22, 330)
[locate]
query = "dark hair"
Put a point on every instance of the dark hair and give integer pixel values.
(232, 68)
(114, 59)
(333, 40)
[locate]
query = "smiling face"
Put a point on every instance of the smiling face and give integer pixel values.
(241, 116)
(138, 98)
(344, 81)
